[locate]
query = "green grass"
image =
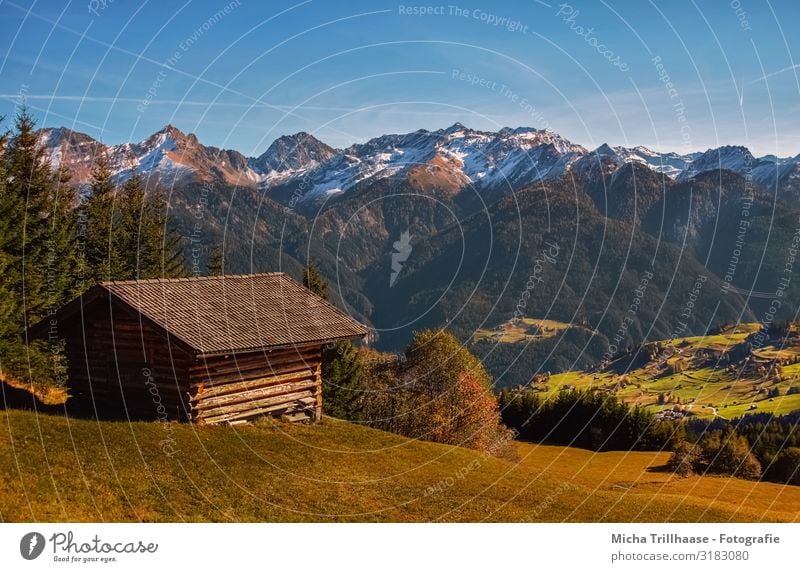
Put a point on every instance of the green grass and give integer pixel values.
(58, 469)
(526, 330)
(704, 391)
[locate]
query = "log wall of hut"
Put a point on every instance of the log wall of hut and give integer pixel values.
(122, 368)
(240, 387)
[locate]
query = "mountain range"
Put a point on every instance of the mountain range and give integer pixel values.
(451, 159)
(469, 229)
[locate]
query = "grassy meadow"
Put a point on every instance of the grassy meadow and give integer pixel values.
(525, 330)
(54, 468)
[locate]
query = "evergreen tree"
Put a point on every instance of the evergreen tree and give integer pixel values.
(62, 258)
(145, 246)
(11, 213)
(30, 181)
(38, 252)
(100, 257)
(41, 238)
(126, 239)
(786, 467)
(314, 281)
(216, 263)
(50, 250)
(343, 366)
(343, 370)
(165, 248)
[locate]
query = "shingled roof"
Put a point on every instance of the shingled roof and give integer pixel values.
(235, 313)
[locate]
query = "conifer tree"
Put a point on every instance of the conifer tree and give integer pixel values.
(165, 252)
(11, 213)
(126, 238)
(101, 258)
(146, 246)
(216, 263)
(29, 182)
(314, 281)
(38, 251)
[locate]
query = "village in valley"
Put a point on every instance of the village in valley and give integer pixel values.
(728, 373)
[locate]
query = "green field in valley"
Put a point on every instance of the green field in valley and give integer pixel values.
(694, 377)
(523, 330)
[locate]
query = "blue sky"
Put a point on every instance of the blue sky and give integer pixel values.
(241, 73)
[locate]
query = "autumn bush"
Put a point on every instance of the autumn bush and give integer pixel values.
(717, 452)
(437, 391)
(684, 458)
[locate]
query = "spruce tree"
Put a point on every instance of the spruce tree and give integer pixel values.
(146, 246)
(314, 281)
(343, 366)
(126, 239)
(38, 249)
(29, 181)
(101, 258)
(216, 263)
(62, 257)
(165, 252)
(11, 214)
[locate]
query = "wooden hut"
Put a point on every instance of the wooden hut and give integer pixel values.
(207, 350)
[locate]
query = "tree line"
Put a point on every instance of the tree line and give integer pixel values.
(756, 447)
(587, 419)
(759, 446)
(57, 241)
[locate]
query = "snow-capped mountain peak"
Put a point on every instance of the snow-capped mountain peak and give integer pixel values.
(291, 153)
(728, 157)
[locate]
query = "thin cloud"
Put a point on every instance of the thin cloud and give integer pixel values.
(773, 74)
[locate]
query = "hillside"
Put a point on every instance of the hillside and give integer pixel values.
(721, 375)
(58, 469)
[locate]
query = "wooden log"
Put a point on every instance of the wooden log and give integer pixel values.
(213, 390)
(223, 361)
(287, 400)
(247, 415)
(298, 417)
(252, 374)
(259, 362)
(209, 402)
(293, 399)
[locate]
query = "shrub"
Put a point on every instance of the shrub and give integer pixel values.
(728, 453)
(452, 392)
(684, 458)
(786, 467)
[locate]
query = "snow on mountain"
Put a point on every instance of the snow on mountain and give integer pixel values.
(169, 156)
(291, 154)
(448, 160)
(729, 157)
(767, 171)
(76, 149)
(671, 164)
